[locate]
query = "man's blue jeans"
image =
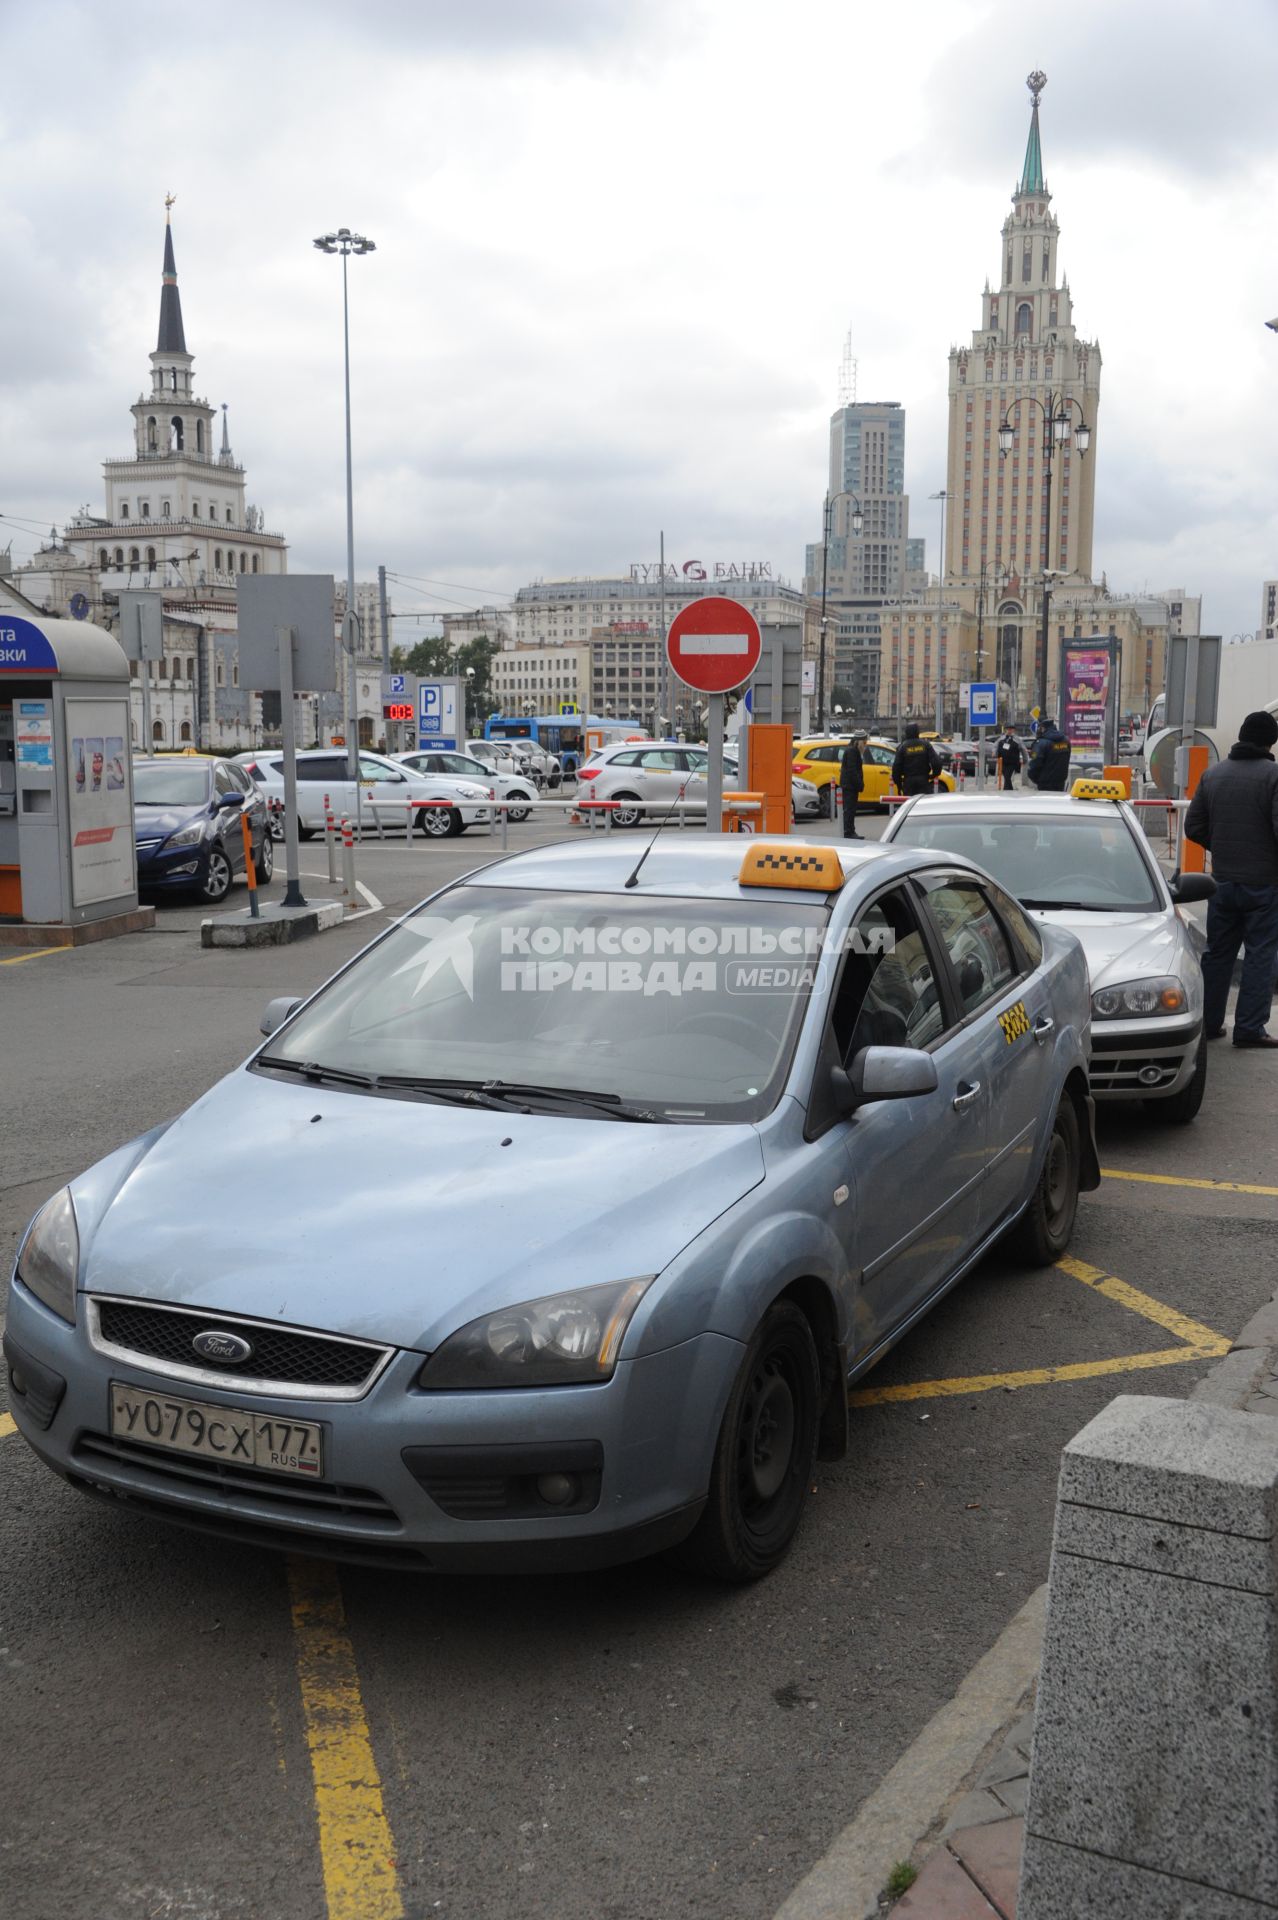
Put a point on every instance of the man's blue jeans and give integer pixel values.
(1245, 917)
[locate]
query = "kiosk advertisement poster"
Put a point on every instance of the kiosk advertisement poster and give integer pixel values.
(1086, 694)
(99, 806)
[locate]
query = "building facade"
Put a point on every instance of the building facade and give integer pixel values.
(527, 678)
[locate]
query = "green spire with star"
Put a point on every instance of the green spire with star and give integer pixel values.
(1032, 180)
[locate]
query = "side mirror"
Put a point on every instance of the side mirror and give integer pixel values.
(1185, 888)
(224, 800)
(890, 1073)
(277, 1012)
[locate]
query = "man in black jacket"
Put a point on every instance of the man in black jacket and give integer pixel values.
(1049, 763)
(1009, 758)
(1235, 815)
(851, 781)
(916, 763)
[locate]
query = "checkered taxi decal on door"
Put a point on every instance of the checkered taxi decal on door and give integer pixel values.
(1015, 1022)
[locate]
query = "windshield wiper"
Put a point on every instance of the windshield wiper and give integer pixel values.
(1084, 906)
(610, 1104)
(464, 1093)
(313, 1070)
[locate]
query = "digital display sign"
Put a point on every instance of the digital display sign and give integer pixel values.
(397, 710)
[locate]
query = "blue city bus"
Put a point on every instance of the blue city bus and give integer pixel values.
(560, 733)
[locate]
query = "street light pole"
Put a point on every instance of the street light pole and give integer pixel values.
(345, 242)
(857, 522)
(1058, 423)
(942, 496)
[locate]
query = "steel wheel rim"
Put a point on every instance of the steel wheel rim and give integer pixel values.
(765, 1449)
(1056, 1178)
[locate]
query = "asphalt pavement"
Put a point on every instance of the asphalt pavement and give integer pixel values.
(626, 1744)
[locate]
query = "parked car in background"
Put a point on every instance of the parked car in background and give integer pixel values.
(382, 784)
(187, 812)
(1086, 865)
(494, 754)
(818, 760)
(511, 787)
(805, 797)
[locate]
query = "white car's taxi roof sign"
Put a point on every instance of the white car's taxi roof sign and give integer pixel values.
(786, 863)
(1085, 789)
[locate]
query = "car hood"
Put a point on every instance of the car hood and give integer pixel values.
(150, 819)
(1129, 946)
(398, 1221)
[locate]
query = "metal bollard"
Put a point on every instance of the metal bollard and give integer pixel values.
(505, 821)
(348, 865)
(408, 823)
(330, 838)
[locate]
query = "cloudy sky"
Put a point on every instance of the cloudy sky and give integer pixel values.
(619, 245)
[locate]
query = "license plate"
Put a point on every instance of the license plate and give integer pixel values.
(229, 1434)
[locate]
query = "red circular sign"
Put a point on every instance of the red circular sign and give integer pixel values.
(714, 645)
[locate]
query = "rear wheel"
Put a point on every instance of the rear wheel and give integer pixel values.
(762, 1463)
(1042, 1233)
(1178, 1109)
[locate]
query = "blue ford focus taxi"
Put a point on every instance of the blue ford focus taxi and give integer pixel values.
(597, 1179)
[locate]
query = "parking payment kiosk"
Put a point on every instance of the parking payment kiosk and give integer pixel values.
(66, 792)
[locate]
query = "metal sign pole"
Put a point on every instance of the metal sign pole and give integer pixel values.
(293, 896)
(714, 783)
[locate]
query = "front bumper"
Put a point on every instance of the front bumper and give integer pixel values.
(165, 866)
(411, 1479)
(1143, 1060)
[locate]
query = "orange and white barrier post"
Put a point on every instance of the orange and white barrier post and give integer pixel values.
(348, 865)
(250, 871)
(330, 837)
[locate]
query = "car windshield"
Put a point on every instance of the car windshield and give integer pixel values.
(1082, 861)
(156, 783)
(686, 1009)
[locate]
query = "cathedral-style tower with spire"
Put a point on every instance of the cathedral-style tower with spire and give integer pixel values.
(1024, 350)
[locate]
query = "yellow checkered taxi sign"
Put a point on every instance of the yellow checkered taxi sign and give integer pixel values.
(1093, 789)
(782, 863)
(1015, 1023)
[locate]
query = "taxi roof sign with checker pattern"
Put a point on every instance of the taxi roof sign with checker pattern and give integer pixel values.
(1098, 790)
(785, 863)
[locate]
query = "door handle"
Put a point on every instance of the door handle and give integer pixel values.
(1043, 1027)
(968, 1090)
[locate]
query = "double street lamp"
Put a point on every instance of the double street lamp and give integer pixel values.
(345, 242)
(1058, 426)
(856, 521)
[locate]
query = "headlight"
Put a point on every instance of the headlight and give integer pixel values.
(189, 836)
(568, 1339)
(474, 793)
(1139, 999)
(50, 1257)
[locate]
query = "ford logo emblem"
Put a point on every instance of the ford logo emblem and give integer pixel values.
(225, 1347)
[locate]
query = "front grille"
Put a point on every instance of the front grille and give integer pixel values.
(303, 1499)
(282, 1356)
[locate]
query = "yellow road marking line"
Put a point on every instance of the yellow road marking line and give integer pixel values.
(8, 1425)
(1198, 1343)
(40, 953)
(1192, 1332)
(1176, 1180)
(356, 1848)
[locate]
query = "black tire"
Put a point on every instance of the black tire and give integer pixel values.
(628, 812)
(763, 1460)
(437, 824)
(1043, 1231)
(265, 862)
(516, 813)
(305, 833)
(1178, 1109)
(217, 876)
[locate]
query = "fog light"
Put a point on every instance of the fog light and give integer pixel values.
(17, 1381)
(558, 1489)
(1150, 1076)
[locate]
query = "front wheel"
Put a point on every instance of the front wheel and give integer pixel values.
(440, 823)
(762, 1463)
(1178, 1109)
(217, 878)
(265, 862)
(1041, 1235)
(627, 812)
(515, 812)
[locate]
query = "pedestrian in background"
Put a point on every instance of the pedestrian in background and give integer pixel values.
(851, 781)
(1048, 769)
(1009, 757)
(916, 763)
(1234, 814)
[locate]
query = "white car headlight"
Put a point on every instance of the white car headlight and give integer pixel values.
(567, 1339)
(189, 836)
(474, 793)
(1140, 999)
(50, 1256)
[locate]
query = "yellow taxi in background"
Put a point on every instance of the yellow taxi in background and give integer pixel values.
(818, 759)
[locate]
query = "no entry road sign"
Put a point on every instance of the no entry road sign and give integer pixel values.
(713, 645)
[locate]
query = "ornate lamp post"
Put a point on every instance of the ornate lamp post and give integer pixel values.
(1058, 424)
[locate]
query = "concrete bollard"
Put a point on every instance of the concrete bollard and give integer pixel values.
(1154, 1784)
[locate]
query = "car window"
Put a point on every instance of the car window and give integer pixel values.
(1013, 915)
(878, 756)
(983, 962)
(240, 777)
(1083, 859)
(327, 768)
(699, 762)
(660, 759)
(222, 781)
(624, 760)
(370, 769)
(887, 994)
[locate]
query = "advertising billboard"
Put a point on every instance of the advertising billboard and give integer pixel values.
(99, 804)
(1087, 674)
